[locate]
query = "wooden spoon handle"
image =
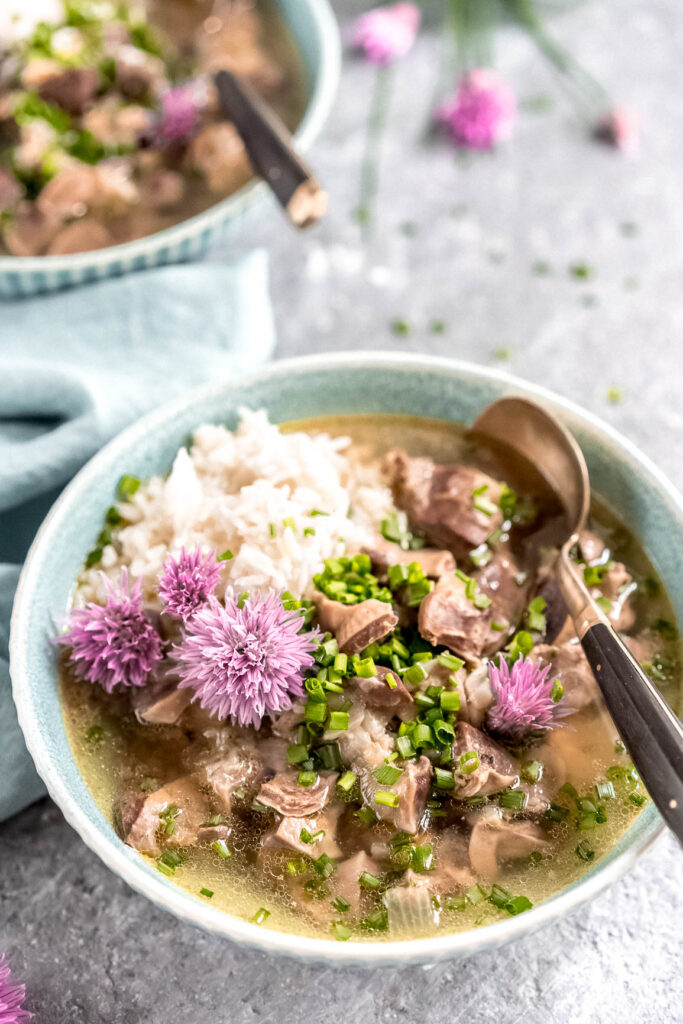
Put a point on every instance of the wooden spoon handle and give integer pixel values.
(271, 151)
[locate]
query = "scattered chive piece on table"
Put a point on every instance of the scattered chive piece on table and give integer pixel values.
(401, 327)
(541, 268)
(615, 395)
(503, 354)
(582, 271)
(437, 327)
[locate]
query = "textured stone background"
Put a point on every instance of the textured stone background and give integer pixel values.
(93, 951)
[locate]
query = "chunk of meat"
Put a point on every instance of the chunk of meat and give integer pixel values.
(286, 722)
(376, 693)
(495, 771)
(476, 696)
(508, 590)
(452, 869)
(80, 236)
(213, 834)
(240, 768)
(72, 89)
(412, 789)
(383, 553)
(162, 189)
(69, 192)
(618, 587)
(10, 191)
(571, 667)
(160, 702)
(448, 618)
(366, 742)
(287, 834)
(410, 909)
(218, 153)
(117, 125)
(495, 840)
(139, 74)
(29, 231)
(148, 832)
(284, 794)
(355, 626)
(439, 500)
(236, 45)
(591, 546)
(344, 881)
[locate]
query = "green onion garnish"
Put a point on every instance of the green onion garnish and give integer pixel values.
(386, 798)
(296, 753)
(220, 847)
(127, 486)
(532, 771)
(340, 905)
(423, 859)
(404, 746)
(206, 892)
(341, 932)
(367, 816)
(311, 837)
(369, 881)
(557, 691)
(535, 617)
(307, 778)
(518, 904)
(469, 762)
(260, 916)
(226, 556)
(346, 782)
(450, 661)
(585, 851)
(513, 799)
(388, 774)
(339, 720)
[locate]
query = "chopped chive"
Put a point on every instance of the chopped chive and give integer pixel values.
(307, 778)
(422, 735)
(401, 326)
(605, 791)
(444, 779)
(499, 896)
(95, 734)
(341, 932)
(369, 881)
(365, 668)
(581, 271)
(112, 516)
(449, 700)
(423, 859)
(367, 816)
(532, 771)
(475, 895)
(484, 505)
(296, 867)
(615, 395)
(637, 798)
(518, 904)
(206, 892)
(388, 774)
(309, 531)
(340, 904)
(499, 627)
(585, 851)
(450, 661)
(311, 837)
(347, 780)
(271, 529)
(226, 556)
(318, 512)
(260, 916)
(339, 720)
(289, 522)
(127, 486)
(404, 746)
(296, 753)
(94, 558)
(220, 847)
(398, 574)
(390, 680)
(513, 799)
(469, 762)
(386, 798)
(414, 675)
(557, 691)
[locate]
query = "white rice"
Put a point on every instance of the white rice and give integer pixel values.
(225, 493)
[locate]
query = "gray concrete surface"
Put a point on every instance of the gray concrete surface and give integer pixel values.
(93, 951)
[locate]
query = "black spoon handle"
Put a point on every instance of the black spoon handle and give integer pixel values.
(271, 150)
(652, 733)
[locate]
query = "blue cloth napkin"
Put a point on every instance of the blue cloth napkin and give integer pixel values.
(78, 366)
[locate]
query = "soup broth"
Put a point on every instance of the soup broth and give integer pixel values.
(481, 850)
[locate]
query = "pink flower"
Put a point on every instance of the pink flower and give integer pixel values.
(11, 997)
(187, 582)
(179, 113)
(386, 33)
(618, 128)
(525, 701)
(115, 642)
(245, 662)
(481, 113)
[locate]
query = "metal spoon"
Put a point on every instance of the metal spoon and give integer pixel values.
(651, 732)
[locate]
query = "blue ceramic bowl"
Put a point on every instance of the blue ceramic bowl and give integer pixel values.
(314, 30)
(311, 386)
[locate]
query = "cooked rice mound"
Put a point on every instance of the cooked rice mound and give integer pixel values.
(252, 492)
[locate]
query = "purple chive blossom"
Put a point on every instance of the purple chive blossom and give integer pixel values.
(187, 582)
(11, 997)
(618, 128)
(243, 663)
(115, 642)
(481, 113)
(523, 699)
(179, 113)
(386, 33)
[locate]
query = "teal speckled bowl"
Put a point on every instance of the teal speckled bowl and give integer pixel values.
(311, 386)
(314, 30)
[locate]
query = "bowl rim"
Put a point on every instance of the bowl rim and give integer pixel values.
(187, 907)
(324, 87)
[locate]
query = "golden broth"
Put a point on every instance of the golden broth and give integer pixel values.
(129, 752)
